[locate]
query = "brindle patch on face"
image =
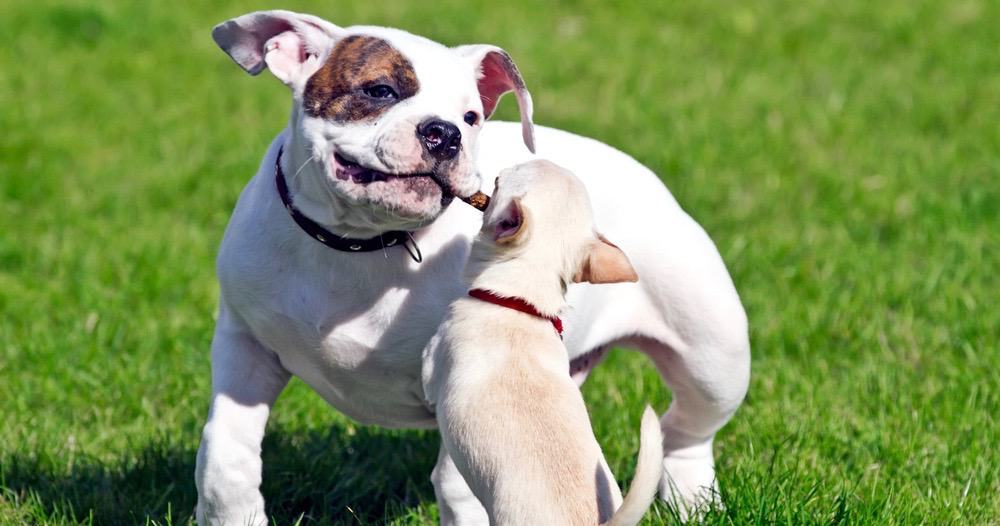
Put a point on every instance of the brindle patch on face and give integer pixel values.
(357, 62)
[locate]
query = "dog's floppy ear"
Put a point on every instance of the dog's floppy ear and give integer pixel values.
(509, 226)
(605, 263)
(290, 44)
(496, 75)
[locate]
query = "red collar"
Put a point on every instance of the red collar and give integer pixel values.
(517, 304)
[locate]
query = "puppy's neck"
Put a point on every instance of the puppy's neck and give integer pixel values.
(518, 277)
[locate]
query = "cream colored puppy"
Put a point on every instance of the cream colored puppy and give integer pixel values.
(497, 374)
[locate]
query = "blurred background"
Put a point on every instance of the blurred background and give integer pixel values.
(843, 155)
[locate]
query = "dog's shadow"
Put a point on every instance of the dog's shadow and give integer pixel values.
(343, 475)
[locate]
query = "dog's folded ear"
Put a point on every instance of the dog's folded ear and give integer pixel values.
(497, 75)
(290, 44)
(605, 263)
(509, 225)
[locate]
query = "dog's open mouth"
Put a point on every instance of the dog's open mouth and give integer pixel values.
(348, 169)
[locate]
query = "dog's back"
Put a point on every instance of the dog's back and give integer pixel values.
(516, 424)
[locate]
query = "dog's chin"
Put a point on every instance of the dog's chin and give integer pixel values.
(415, 198)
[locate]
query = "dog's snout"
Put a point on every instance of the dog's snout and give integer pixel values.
(441, 139)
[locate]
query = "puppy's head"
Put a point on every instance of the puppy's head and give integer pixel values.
(390, 118)
(541, 211)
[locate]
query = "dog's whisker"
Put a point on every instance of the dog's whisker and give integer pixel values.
(307, 161)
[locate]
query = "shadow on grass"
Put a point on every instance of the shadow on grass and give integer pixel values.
(343, 475)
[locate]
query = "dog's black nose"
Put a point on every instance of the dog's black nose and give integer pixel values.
(442, 139)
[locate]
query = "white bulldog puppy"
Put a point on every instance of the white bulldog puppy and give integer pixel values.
(344, 252)
(496, 373)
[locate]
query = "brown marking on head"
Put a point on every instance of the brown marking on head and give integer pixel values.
(357, 62)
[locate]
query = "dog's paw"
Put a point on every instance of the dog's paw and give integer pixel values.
(689, 485)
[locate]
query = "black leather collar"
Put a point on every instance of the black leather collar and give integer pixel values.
(382, 241)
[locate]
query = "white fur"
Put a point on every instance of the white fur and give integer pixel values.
(352, 326)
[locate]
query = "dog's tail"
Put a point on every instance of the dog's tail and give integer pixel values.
(648, 470)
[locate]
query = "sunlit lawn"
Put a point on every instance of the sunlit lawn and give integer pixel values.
(843, 155)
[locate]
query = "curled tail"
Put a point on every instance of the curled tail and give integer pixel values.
(648, 470)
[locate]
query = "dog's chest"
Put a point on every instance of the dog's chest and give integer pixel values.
(387, 330)
(353, 329)
(360, 351)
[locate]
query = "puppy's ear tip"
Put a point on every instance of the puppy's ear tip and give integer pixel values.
(625, 271)
(606, 263)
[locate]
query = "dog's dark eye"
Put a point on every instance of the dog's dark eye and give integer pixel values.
(471, 118)
(380, 91)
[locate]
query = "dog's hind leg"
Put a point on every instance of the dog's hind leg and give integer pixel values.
(457, 506)
(704, 399)
(695, 331)
(246, 380)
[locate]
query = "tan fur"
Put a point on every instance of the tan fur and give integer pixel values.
(520, 429)
(605, 263)
(528, 400)
(511, 418)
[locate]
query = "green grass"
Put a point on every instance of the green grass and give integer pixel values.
(843, 155)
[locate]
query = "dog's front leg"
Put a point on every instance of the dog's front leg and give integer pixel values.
(457, 506)
(246, 380)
